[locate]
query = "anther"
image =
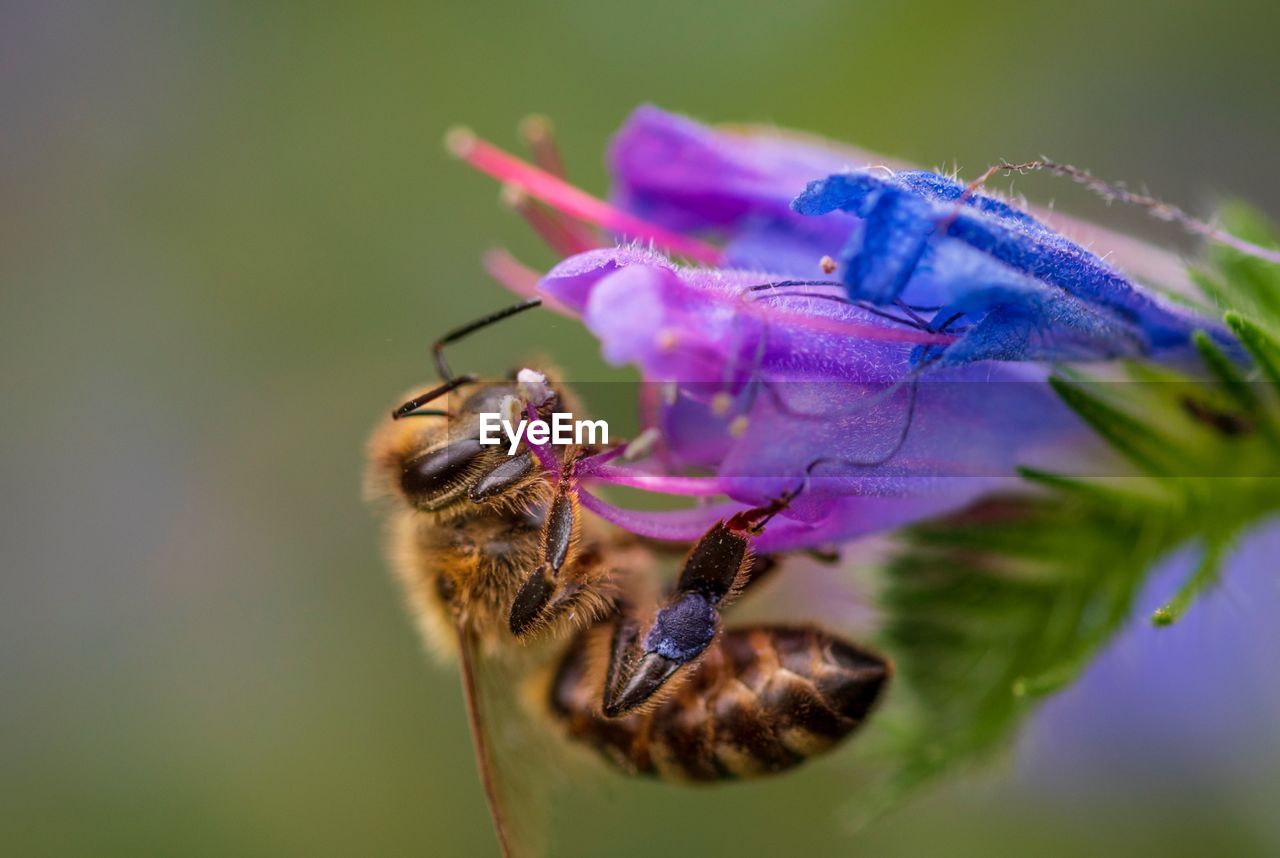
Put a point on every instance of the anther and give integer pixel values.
(557, 231)
(511, 273)
(642, 445)
(511, 409)
(459, 141)
(538, 133)
(533, 387)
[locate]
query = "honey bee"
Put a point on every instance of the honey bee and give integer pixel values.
(499, 562)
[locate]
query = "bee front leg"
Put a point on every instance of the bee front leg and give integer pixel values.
(544, 591)
(569, 583)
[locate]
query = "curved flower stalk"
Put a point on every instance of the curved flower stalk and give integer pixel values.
(906, 384)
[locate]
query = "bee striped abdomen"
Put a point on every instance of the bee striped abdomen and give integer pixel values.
(764, 699)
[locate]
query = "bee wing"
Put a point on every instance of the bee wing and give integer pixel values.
(508, 750)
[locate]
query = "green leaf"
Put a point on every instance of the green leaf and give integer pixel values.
(1264, 350)
(1250, 286)
(993, 608)
(990, 610)
(1146, 446)
(1205, 574)
(1228, 373)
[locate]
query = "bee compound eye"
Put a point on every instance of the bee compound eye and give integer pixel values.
(434, 477)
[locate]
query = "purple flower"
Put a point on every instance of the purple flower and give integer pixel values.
(757, 387)
(906, 387)
(735, 187)
(1023, 290)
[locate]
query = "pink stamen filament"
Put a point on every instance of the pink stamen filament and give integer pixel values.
(688, 525)
(598, 467)
(511, 273)
(591, 465)
(556, 230)
(543, 452)
(659, 483)
(539, 136)
(683, 525)
(564, 197)
(519, 278)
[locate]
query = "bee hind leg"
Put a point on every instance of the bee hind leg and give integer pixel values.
(643, 662)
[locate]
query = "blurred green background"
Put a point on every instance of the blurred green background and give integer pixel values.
(229, 234)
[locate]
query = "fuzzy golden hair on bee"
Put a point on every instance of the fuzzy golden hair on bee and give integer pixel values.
(394, 443)
(420, 581)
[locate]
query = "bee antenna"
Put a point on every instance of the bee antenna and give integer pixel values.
(437, 348)
(434, 393)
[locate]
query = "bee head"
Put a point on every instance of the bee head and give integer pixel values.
(435, 461)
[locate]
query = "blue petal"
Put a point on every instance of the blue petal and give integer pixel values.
(1027, 292)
